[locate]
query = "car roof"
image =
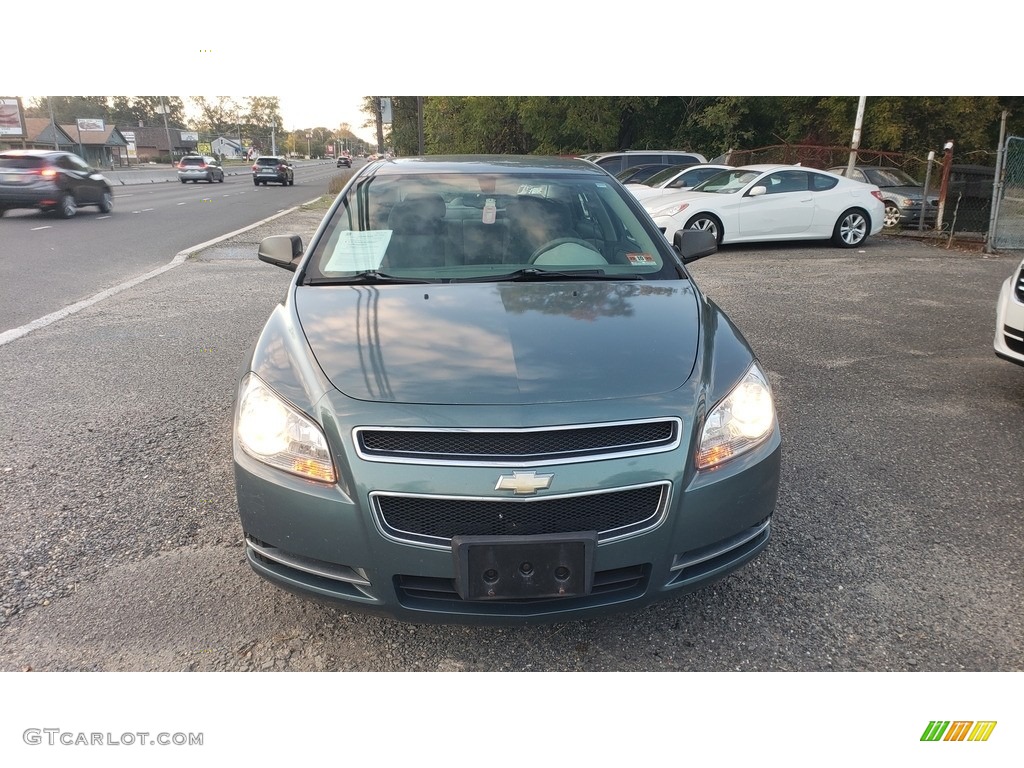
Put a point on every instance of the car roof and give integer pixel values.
(33, 152)
(484, 164)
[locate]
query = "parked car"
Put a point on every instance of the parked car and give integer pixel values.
(613, 162)
(272, 168)
(52, 182)
(757, 203)
(344, 160)
(901, 193)
(1009, 339)
(449, 418)
(636, 174)
(200, 168)
(674, 179)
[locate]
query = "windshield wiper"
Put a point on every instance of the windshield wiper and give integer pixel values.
(532, 274)
(370, 277)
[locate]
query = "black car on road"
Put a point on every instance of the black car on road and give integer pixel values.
(272, 168)
(51, 181)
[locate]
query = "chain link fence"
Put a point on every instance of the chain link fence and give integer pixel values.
(1008, 233)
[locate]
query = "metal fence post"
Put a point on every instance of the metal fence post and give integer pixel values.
(997, 188)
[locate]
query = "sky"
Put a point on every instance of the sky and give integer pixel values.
(327, 61)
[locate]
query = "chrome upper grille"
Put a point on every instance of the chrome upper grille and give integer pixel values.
(516, 447)
(436, 519)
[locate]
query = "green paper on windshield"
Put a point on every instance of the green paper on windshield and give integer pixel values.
(359, 251)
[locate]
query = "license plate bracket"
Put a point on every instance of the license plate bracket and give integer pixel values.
(524, 567)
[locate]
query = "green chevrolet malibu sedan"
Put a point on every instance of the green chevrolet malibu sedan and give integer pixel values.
(494, 394)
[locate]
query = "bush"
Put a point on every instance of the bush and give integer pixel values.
(338, 182)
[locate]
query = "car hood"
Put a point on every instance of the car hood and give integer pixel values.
(914, 193)
(502, 343)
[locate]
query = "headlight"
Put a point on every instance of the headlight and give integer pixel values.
(908, 202)
(669, 210)
(739, 422)
(272, 431)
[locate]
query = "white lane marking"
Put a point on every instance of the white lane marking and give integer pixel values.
(185, 202)
(36, 229)
(102, 217)
(16, 333)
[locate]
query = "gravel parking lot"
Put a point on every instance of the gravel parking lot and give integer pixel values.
(897, 544)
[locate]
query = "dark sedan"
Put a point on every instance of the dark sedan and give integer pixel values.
(493, 393)
(901, 193)
(51, 181)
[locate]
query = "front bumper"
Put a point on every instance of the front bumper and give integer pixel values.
(331, 543)
(1009, 334)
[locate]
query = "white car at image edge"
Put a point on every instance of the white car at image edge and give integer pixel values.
(760, 203)
(1009, 339)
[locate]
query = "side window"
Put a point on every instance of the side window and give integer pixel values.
(644, 159)
(611, 164)
(820, 183)
(786, 181)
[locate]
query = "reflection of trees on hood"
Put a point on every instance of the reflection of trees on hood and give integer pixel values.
(582, 301)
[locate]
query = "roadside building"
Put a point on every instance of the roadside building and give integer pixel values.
(40, 133)
(102, 146)
(227, 148)
(151, 142)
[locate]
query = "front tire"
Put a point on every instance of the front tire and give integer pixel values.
(851, 229)
(707, 222)
(107, 202)
(893, 215)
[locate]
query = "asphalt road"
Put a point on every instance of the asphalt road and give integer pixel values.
(898, 532)
(49, 263)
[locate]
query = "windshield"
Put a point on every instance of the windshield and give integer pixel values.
(727, 182)
(662, 176)
(890, 177)
(465, 226)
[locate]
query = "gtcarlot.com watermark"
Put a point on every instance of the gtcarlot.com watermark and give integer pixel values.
(53, 737)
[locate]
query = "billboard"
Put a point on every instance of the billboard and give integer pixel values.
(90, 124)
(12, 121)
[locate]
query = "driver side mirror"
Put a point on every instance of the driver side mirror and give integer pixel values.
(283, 251)
(693, 244)
(758, 191)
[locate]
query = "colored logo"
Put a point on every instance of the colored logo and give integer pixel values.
(958, 730)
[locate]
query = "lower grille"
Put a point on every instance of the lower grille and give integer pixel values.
(435, 594)
(1013, 340)
(436, 519)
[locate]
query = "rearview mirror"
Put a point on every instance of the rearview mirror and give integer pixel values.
(283, 251)
(693, 244)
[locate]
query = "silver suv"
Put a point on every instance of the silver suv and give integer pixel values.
(200, 168)
(613, 162)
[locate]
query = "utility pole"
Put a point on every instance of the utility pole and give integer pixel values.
(947, 163)
(53, 124)
(167, 130)
(855, 144)
(380, 126)
(419, 121)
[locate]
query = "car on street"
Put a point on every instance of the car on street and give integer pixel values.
(344, 160)
(197, 168)
(1009, 338)
(901, 193)
(275, 169)
(493, 393)
(51, 181)
(613, 162)
(759, 203)
(673, 179)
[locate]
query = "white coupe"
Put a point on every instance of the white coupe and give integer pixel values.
(758, 203)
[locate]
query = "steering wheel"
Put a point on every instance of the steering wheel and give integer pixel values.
(579, 252)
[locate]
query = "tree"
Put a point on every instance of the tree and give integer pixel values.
(222, 115)
(67, 109)
(136, 110)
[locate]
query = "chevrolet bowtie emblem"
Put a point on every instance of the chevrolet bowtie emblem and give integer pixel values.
(523, 483)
